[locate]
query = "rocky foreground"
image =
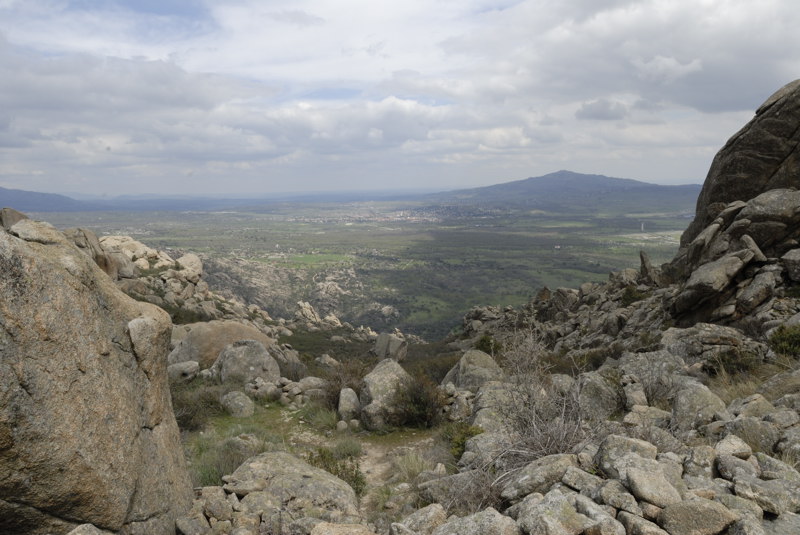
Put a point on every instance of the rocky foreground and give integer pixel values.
(664, 401)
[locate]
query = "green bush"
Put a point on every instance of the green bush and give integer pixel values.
(489, 345)
(456, 435)
(418, 403)
(347, 469)
(631, 294)
(786, 341)
(214, 460)
(194, 403)
(347, 448)
(319, 417)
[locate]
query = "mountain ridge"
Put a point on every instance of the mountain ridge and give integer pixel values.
(558, 190)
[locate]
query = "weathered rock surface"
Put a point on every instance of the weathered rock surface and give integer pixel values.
(243, 361)
(473, 370)
(87, 433)
(204, 341)
(275, 481)
(762, 156)
(378, 391)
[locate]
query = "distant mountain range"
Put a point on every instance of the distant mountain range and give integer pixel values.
(572, 192)
(562, 191)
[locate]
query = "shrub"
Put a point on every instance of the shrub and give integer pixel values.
(347, 469)
(347, 375)
(542, 419)
(407, 467)
(475, 493)
(631, 295)
(194, 403)
(786, 341)
(418, 403)
(456, 435)
(347, 448)
(489, 345)
(214, 459)
(319, 417)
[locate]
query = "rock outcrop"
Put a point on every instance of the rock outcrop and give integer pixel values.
(762, 156)
(87, 433)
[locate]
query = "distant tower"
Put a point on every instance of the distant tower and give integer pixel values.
(642, 226)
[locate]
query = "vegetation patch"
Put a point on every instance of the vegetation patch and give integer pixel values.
(786, 341)
(632, 294)
(456, 434)
(345, 468)
(418, 403)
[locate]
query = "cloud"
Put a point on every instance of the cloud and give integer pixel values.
(239, 94)
(602, 110)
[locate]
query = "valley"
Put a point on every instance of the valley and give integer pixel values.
(408, 264)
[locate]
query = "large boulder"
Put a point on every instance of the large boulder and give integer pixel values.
(243, 361)
(87, 433)
(206, 340)
(378, 392)
(473, 370)
(762, 156)
(273, 482)
(390, 346)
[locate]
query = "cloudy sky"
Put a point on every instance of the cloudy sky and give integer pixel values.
(258, 96)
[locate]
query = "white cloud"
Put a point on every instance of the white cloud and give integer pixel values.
(258, 96)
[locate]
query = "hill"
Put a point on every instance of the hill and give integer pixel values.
(32, 201)
(566, 191)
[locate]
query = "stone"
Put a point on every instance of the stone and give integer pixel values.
(378, 390)
(746, 526)
(390, 346)
(709, 280)
(423, 521)
(88, 529)
(733, 445)
(696, 517)
(771, 496)
(760, 157)
(326, 528)
(791, 261)
(191, 267)
(9, 217)
(274, 481)
(473, 370)
(243, 362)
(760, 435)
(636, 525)
(730, 467)
(183, 371)
(204, 341)
(486, 522)
(614, 447)
(755, 405)
(783, 525)
(695, 405)
(598, 396)
(614, 493)
(85, 413)
(538, 476)
(652, 487)
(238, 404)
(553, 515)
(349, 406)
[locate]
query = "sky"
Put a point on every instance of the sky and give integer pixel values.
(252, 97)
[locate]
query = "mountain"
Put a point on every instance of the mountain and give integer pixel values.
(32, 201)
(559, 192)
(567, 191)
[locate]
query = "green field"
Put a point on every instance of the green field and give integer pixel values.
(430, 271)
